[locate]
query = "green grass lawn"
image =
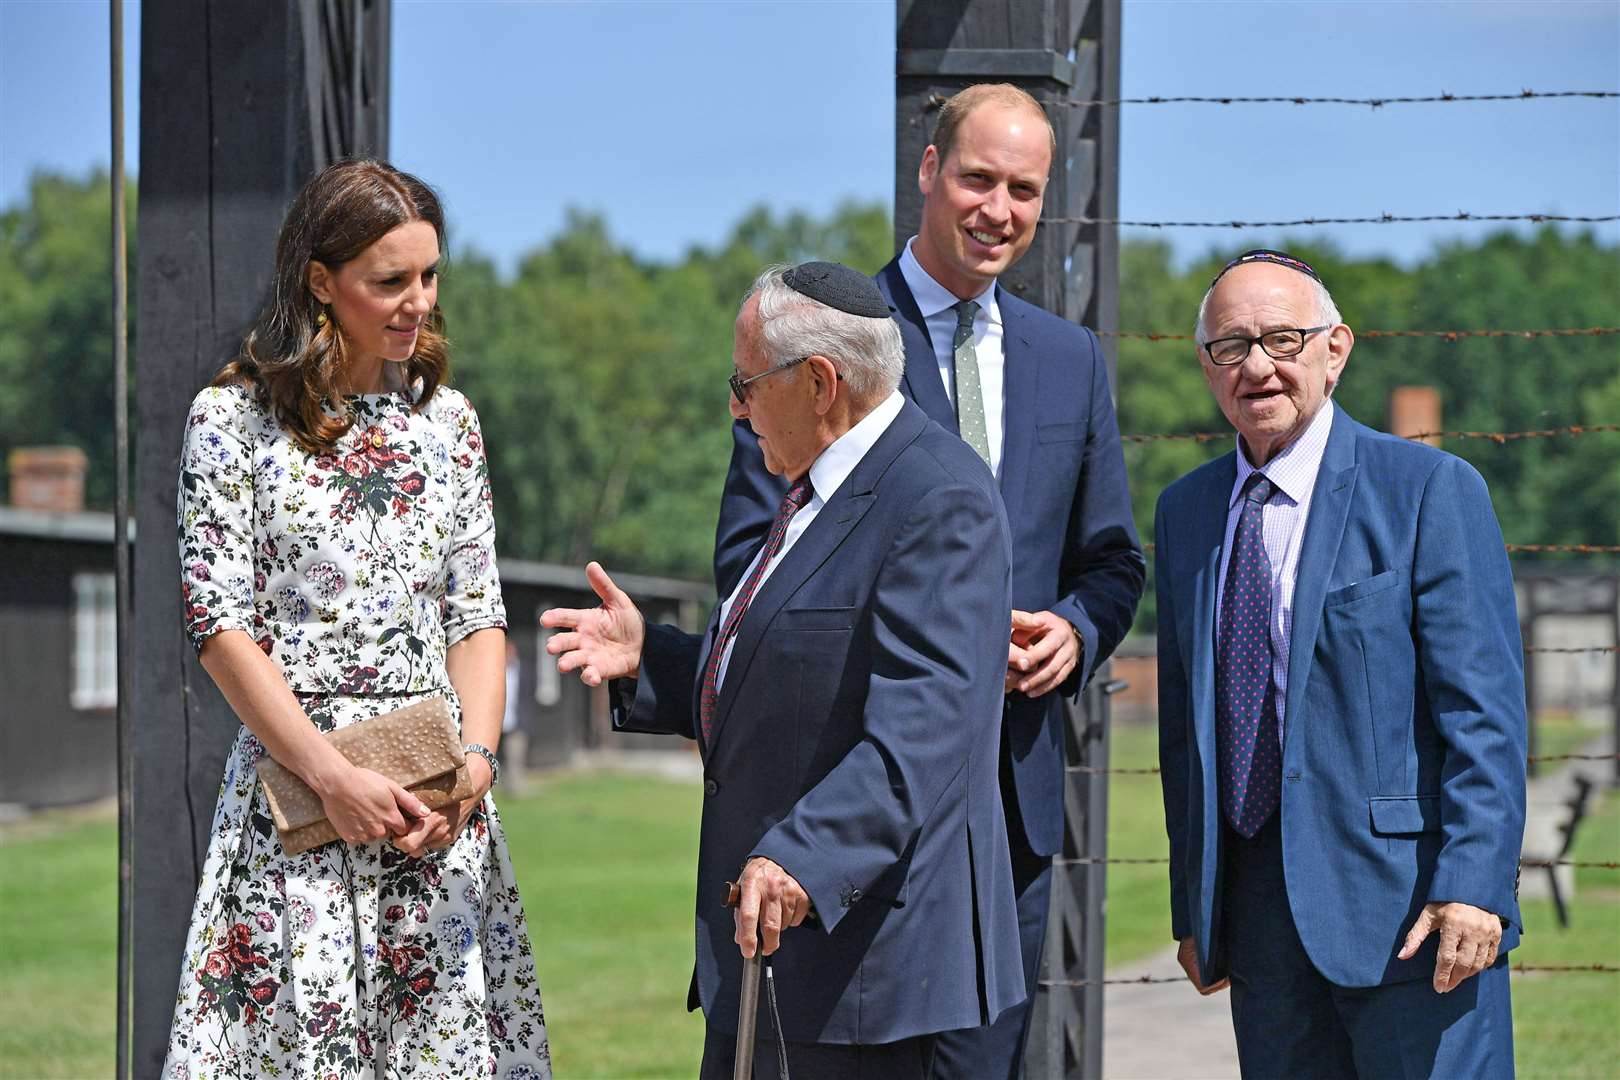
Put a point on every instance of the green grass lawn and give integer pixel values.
(605, 863)
(1565, 1025)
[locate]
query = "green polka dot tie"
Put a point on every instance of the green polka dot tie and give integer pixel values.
(969, 394)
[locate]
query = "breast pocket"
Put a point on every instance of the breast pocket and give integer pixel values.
(1060, 433)
(816, 618)
(1360, 590)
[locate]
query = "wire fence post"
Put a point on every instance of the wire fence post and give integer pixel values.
(240, 104)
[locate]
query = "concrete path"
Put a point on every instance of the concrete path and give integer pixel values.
(1166, 1031)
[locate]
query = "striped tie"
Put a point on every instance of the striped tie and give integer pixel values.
(797, 497)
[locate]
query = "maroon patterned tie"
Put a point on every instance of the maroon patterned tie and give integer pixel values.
(795, 500)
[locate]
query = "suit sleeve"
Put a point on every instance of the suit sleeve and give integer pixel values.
(1173, 727)
(1472, 667)
(940, 620)
(660, 701)
(1102, 572)
(747, 506)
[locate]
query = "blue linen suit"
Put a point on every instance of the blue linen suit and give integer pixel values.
(854, 744)
(1075, 552)
(1404, 723)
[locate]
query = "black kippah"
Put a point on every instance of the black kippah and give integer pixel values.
(1280, 258)
(838, 286)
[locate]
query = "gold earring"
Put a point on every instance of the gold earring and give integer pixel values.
(320, 318)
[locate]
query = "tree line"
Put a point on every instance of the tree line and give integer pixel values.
(600, 377)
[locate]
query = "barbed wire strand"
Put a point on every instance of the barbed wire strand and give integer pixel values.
(1515, 549)
(1537, 864)
(1448, 335)
(1147, 980)
(1442, 98)
(1498, 437)
(1381, 219)
(1567, 549)
(1534, 759)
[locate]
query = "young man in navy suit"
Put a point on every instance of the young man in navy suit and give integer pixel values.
(1341, 710)
(1029, 393)
(847, 703)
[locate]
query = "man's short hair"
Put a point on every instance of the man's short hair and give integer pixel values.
(1326, 310)
(867, 352)
(961, 104)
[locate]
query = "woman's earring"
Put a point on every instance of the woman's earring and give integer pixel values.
(320, 317)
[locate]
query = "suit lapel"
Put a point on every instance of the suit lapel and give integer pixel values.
(1324, 531)
(1209, 532)
(922, 383)
(1021, 365)
(697, 680)
(833, 524)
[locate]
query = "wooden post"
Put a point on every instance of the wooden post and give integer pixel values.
(240, 104)
(1062, 52)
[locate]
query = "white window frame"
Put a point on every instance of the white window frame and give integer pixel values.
(95, 641)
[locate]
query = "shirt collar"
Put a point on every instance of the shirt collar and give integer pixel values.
(829, 471)
(1293, 471)
(932, 297)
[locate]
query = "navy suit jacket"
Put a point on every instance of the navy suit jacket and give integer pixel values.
(1075, 549)
(1404, 737)
(854, 744)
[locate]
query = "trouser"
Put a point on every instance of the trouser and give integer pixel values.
(908, 1059)
(1292, 1022)
(996, 1049)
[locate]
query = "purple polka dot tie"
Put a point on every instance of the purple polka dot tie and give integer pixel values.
(1246, 746)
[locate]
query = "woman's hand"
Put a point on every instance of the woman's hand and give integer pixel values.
(365, 806)
(439, 829)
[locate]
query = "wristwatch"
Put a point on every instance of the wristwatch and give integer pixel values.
(488, 755)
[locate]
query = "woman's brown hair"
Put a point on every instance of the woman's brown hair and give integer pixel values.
(292, 362)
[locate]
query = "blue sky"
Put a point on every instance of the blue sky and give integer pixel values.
(671, 119)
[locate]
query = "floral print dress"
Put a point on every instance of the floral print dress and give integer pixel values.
(354, 571)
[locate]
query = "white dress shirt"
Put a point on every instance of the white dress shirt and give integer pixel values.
(827, 474)
(1293, 472)
(938, 307)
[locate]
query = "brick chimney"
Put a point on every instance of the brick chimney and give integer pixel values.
(1415, 410)
(47, 478)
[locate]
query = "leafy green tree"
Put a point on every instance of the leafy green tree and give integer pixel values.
(56, 376)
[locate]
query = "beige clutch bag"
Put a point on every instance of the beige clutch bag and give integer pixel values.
(417, 747)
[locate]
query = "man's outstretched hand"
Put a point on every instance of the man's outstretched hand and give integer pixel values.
(602, 642)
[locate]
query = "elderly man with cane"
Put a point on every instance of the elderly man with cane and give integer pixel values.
(846, 699)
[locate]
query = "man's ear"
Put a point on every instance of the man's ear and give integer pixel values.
(319, 280)
(1341, 339)
(928, 170)
(826, 385)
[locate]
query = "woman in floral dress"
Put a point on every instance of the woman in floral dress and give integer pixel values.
(337, 553)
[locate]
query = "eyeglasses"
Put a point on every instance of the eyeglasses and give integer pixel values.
(1277, 344)
(739, 385)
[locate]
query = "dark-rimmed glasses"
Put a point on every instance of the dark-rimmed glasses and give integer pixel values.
(739, 385)
(1277, 344)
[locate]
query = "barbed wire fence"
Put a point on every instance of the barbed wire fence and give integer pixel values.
(1499, 438)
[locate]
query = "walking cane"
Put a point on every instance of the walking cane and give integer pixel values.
(748, 1002)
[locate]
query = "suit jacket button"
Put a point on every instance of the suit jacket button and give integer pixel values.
(710, 787)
